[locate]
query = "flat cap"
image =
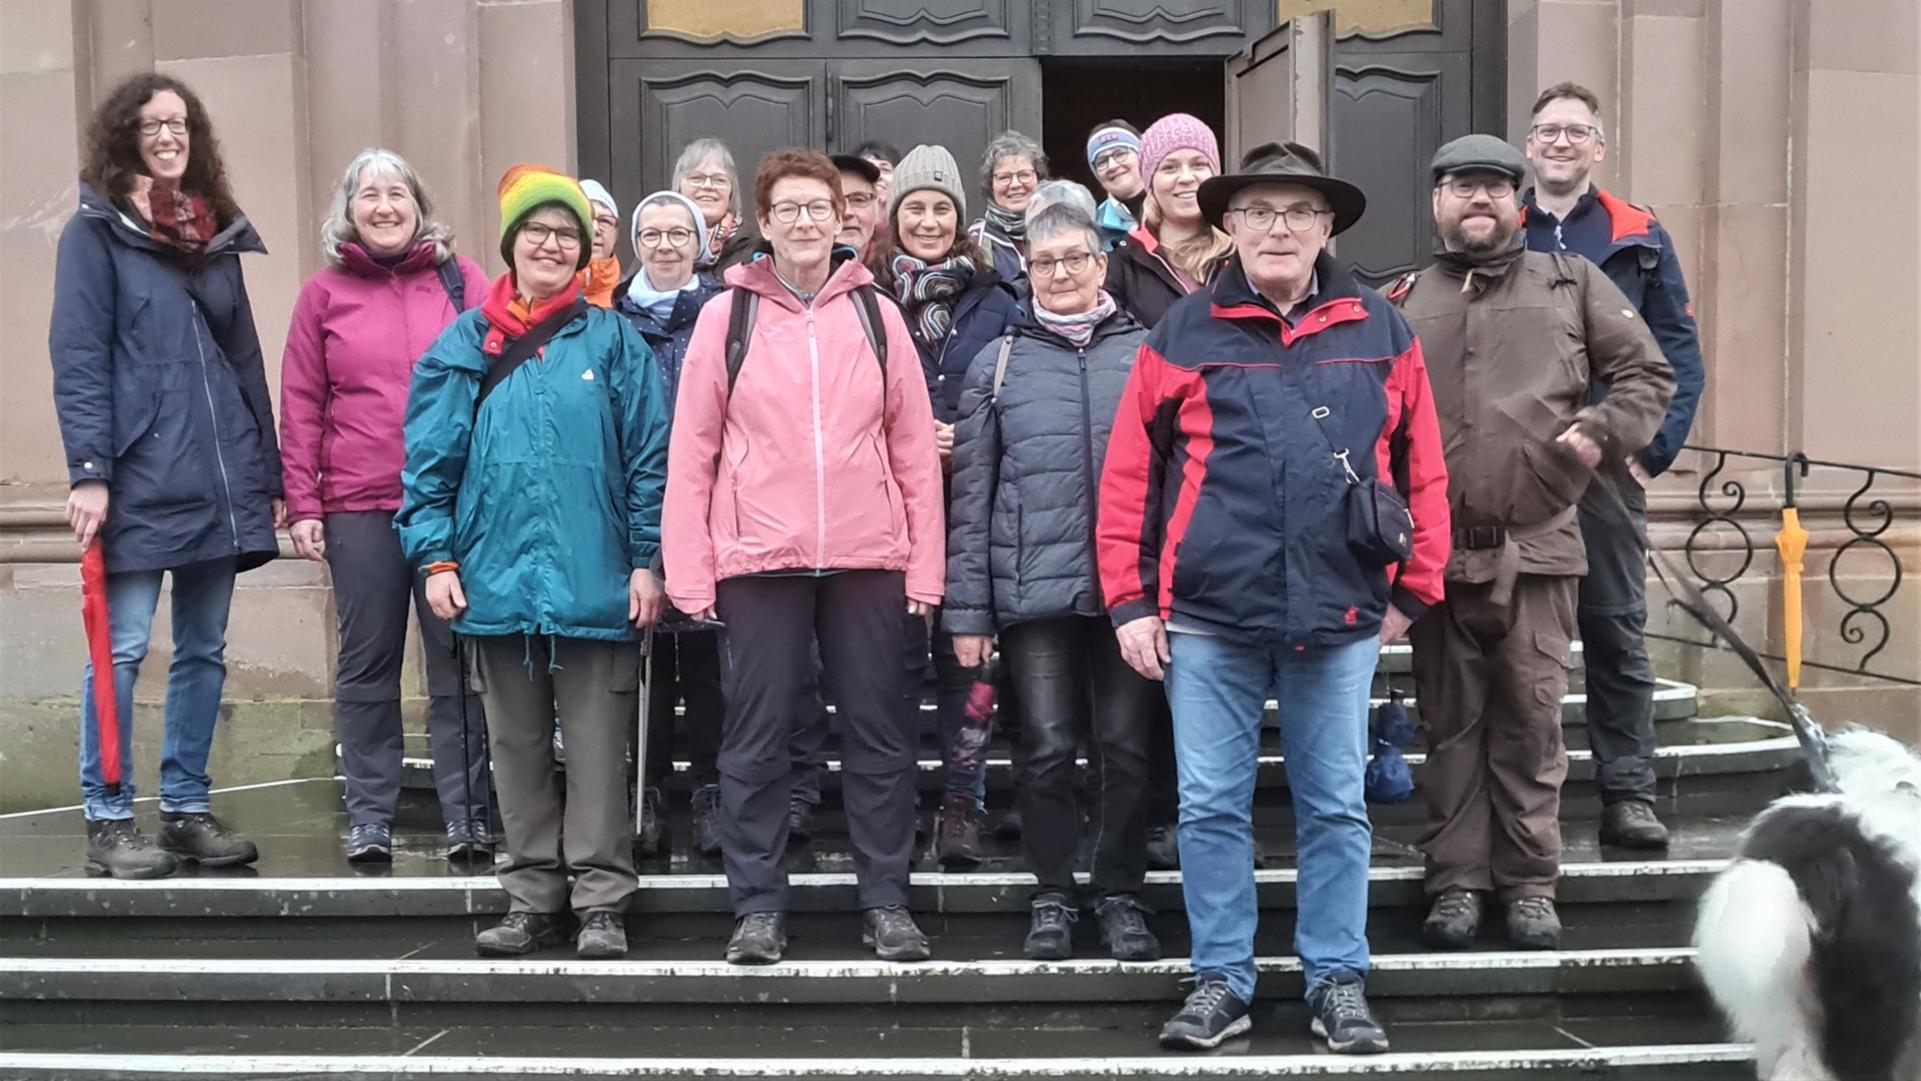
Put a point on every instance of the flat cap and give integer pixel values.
(1478, 151)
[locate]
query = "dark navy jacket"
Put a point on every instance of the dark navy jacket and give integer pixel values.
(1638, 256)
(161, 392)
(1221, 499)
(987, 310)
(668, 340)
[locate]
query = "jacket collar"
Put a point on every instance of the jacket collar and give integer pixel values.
(355, 259)
(1337, 301)
(758, 275)
(238, 237)
(1627, 224)
(1492, 266)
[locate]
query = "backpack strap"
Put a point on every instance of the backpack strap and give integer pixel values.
(1398, 289)
(868, 308)
(1000, 364)
(453, 283)
(522, 349)
(740, 332)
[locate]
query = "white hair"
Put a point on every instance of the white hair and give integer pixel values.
(701, 150)
(1062, 217)
(1061, 192)
(339, 228)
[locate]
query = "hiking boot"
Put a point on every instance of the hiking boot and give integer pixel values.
(370, 842)
(472, 840)
(1124, 930)
(1009, 827)
(1212, 1014)
(800, 821)
(1455, 919)
(520, 933)
(706, 807)
(893, 934)
(759, 938)
(648, 839)
(1341, 1017)
(1532, 924)
(1163, 849)
(204, 839)
(1050, 929)
(602, 937)
(960, 833)
(1631, 823)
(116, 847)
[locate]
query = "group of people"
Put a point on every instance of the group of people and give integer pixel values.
(1162, 454)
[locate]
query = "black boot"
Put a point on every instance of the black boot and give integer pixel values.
(960, 833)
(1454, 920)
(519, 933)
(1632, 823)
(603, 936)
(1163, 849)
(893, 935)
(1050, 929)
(1532, 924)
(115, 846)
(800, 822)
(1124, 930)
(759, 939)
(204, 839)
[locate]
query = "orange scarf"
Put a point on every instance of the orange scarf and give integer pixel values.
(598, 281)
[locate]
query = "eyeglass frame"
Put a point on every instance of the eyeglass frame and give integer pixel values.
(1087, 257)
(1589, 132)
(1029, 176)
(539, 232)
(1112, 154)
(794, 210)
(707, 180)
(640, 238)
(177, 126)
(1284, 215)
(1455, 184)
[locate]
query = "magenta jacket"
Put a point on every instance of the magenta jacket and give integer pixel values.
(357, 330)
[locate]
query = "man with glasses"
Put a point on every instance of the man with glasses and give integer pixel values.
(860, 186)
(1229, 569)
(1514, 340)
(1567, 212)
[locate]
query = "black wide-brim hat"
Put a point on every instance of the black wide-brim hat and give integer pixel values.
(1283, 163)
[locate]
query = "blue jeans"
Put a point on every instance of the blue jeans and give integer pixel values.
(1217, 688)
(202, 597)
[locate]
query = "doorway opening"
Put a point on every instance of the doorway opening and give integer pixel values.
(1078, 93)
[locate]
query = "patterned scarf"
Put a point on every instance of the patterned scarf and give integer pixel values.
(718, 236)
(182, 221)
(928, 291)
(1078, 328)
(1011, 224)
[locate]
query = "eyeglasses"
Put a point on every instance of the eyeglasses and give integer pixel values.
(708, 180)
(151, 128)
(1576, 133)
(1112, 159)
(674, 238)
(605, 223)
(1022, 176)
(789, 213)
(1261, 218)
(1499, 187)
(860, 199)
(539, 233)
(1075, 262)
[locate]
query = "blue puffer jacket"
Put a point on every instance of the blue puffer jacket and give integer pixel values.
(549, 496)
(986, 311)
(158, 381)
(668, 340)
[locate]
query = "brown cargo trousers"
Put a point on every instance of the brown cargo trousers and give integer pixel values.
(1490, 680)
(592, 688)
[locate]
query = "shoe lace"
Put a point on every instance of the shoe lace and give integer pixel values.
(1124, 908)
(368, 832)
(1053, 914)
(1634, 812)
(1206, 996)
(760, 921)
(1535, 908)
(894, 920)
(1454, 904)
(599, 921)
(459, 831)
(1346, 1002)
(517, 921)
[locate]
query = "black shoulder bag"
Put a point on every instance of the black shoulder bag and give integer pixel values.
(1380, 528)
(522, 349)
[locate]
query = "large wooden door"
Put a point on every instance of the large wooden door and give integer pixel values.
(958, 106)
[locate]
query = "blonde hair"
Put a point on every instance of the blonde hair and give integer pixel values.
(339, 226)
(1197, 256)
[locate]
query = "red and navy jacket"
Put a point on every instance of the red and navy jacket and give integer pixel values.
(1638, 257)
(1221, 502)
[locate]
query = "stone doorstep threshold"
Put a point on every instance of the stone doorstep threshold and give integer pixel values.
(1647, 1060)
(348, 896)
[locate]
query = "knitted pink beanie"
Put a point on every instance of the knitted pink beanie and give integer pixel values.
(1176, 131)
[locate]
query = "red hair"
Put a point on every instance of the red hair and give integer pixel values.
(778, 165)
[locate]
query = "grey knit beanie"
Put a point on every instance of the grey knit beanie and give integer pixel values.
(927, 167)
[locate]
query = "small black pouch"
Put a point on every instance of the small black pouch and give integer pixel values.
(1380, 528)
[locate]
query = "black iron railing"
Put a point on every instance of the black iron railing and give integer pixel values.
(1865, 514)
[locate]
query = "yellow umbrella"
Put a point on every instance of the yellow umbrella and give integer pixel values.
(1792, 543)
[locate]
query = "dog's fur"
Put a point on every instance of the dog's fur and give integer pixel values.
(1810, 941)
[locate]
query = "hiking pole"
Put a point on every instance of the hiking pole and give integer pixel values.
(640, 736)
(106, 698)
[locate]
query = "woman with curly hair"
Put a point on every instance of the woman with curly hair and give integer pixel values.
(164, 413)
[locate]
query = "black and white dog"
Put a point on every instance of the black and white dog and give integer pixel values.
(1810, 941)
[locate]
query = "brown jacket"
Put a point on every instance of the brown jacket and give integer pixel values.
(1513, 346)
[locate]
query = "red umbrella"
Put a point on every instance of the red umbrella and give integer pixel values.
(106, 706)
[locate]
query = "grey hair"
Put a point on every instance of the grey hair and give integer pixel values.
(1010, 144)
(339, 226)
(700, 150)
(1061, 193)
(1062, 217)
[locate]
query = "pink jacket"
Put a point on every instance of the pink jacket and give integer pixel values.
(811, 464)
(356, 332)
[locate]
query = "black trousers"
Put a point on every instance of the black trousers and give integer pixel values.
(686, 669)
(773, 623)
(1073, 688)
(1613, 616)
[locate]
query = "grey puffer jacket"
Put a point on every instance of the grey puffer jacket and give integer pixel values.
(1026, 477)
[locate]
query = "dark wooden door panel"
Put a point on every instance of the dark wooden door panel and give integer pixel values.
(1386, 120)
(959, 107)
(658, 106)
(1004, 24)
(1205, 27)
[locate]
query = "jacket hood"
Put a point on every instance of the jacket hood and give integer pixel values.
(758, 276)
